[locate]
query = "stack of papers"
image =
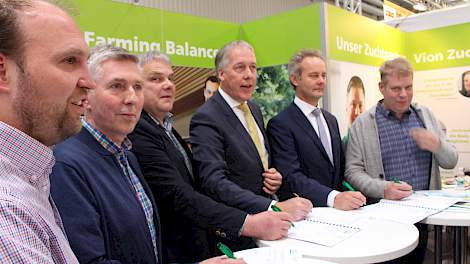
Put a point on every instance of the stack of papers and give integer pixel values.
(328, 226)
(409, 210)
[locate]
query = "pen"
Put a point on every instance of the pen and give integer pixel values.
(296, 195)
(277, 209)
(395, 180)
(347, 185)
(224, 249)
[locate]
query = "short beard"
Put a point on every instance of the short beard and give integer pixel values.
(47, 123)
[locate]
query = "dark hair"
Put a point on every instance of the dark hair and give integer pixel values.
(11, 35)
(213, 79)
(463, 91)
(356, 82)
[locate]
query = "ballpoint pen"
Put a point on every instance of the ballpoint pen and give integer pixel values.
(224, 249)
(347, 185)
(277, 209)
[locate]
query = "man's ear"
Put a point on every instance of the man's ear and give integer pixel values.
(3, 68)
(294, 80)
(5, 78)
(221, 75)
(381, 87)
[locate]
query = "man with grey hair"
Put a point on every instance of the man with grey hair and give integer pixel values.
(229, 142)
(397, 146)
(305, 139)
(43, 85)
(190, 219)
(107, 208)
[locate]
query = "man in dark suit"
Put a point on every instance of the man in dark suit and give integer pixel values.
(166, 163)
(305, 140)
(228, 139)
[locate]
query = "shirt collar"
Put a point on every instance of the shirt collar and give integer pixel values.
(305, 107)
(105, 142)
(26, 153)
(389, 113)
(230, 101)
(167, 121)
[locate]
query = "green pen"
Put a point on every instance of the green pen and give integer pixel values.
(277, 209)
(347, 185)
(395, 180)
(224, 249)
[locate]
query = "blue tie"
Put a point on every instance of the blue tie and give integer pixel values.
(322, 134)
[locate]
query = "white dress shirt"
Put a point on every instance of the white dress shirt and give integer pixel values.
(307, 109)
(234, 105)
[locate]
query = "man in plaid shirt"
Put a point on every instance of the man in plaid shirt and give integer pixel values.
(43, 84)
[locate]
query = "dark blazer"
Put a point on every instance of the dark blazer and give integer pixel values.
(229, 165)
(185, 212)
(102, 216)
(298, 154)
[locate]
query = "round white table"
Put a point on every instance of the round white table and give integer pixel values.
(459, 221)
(382, 240)
(455, 217)
(269, 255)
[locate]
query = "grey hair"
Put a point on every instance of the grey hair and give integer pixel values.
(221, 57)
(102, 53)
(293, 66)
(398, 66)
(148, 57)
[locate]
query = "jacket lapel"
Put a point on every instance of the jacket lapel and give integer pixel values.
(237, 126)
(301, 120)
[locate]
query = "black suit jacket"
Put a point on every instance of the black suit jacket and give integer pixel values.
(229, 164)
(185, 212)
(298, 153)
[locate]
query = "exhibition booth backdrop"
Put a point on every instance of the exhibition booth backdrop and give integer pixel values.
(355, 46)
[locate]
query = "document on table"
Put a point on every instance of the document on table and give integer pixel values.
(275, 255)
(409, 210)
(328, 226)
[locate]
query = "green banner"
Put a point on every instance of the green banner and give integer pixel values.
(188, 40)
(444, 47)
(358, 39)
(277, 38)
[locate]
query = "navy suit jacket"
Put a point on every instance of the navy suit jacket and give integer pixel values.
(102, 216)
(229, 164)
(184, 211)
(298, 154)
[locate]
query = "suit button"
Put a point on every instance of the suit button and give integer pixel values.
(222, 234)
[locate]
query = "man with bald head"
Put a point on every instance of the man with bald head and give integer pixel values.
(43, 84)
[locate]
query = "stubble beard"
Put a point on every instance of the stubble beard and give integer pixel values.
(47, 123)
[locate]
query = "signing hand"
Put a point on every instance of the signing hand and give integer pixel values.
(267, 225)
(397, 191)
(349, 200)
(223, 260)
(297, 207)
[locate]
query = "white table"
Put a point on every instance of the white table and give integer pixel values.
(269, 255)
(381, 241)
(460, 222)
